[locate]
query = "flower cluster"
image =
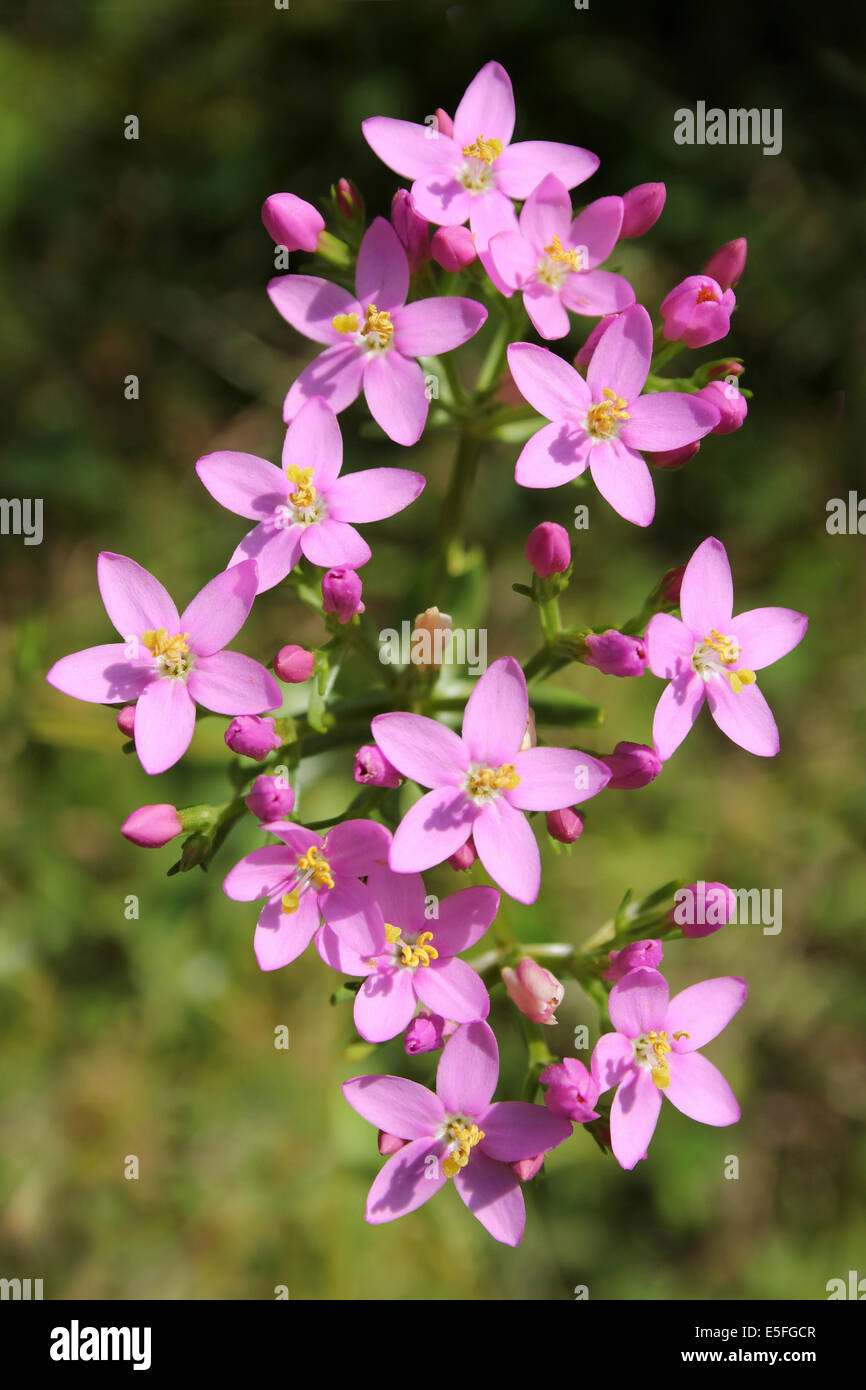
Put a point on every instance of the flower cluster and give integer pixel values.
(443, 780)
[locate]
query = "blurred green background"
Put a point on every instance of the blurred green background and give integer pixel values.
(154, 1036)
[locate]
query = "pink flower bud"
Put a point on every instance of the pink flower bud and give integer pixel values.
(730, 403)
(643, 206)
(615, 654)
(728, 263)
(348, 201)
(565, 826)
(294, 664)
(525, 1169)
(341, 594)
(670, 586)
(535, 991)
(581, 361)
(723, 369)
(674, 458)
(633, 765)
(464, 857)
(453, 248)
(270, 799)
(410, 227)
(548, 549)
(572, 1090)
(292, 222)
(697, 311)
(126, 720)
(431, 636)
(636, 956)
(252, 736)
(444, 123)
(427, 1032)
(701, 908)
(152, 826)
(390, 1144)
(372, 768)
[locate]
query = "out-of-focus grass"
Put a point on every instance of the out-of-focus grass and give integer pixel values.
(153, 1035)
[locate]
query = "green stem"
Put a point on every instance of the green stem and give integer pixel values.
(451, 516)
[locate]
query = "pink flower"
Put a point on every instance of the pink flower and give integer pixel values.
(305, 507)
(572, 1090)
(548, 549)
(730, 403)
(341, 594)
(453, 248)
(728, 263)
(482, 782)
(536, 992)
(410, 228)
(427, 1032)
(151, 827)
(632, 765)
(307, 878)
(642, 208)
(602, 422)
(636, 954)
(653, 1052)
(292, 222)
(270, 799)
(616, 654)
(697, 311)
(253, 737)
(713, 656)
(418, 962)
(294, 664)
(455, 1133)
(552, 259)
(168, 664)
(702, 908)
(475, 172)
(372, 768)
(372, 337)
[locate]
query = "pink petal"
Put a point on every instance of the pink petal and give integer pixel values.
(373, 494)
(546, 214)
(552, 778)
(382, 276)
(667, 420)
(623, 479)
(492, 1193)
(407, 148)
(703, 1010)
(554, 455)
(396, 395)
(506, 847)
(593, 292)
(707, 591)
(699, 1090)
(220, 609)
(102, 675)
(352, 912)
(310, 305)
(384, 1005)
(638, 1002)
(329, 542)
(546, 310)
(676, 712)
(242, 483)
(432, 830)
(134, 601)
(280, 937)
(258, 875)
(494, 720)
(489, 214)
(468, 1070)
(766, 634)
(452, 989)
(514, 261)
(337, 375)
(313, 440)
(357, 847)
(423, 749)
(396, 1105)
(597, 228)
(621, 361)
(612, 1058)
(745, 717)
(231, 683)
(275, 550)
(550, 385)
(339, 956)
(463, 918)
(406, 1181)
(514, 1130)
(440, 198)
(669, 646)
(633, 1117)
(164, 724)
(401, 898)
(521, 167)
(430, 326)
(486, 107)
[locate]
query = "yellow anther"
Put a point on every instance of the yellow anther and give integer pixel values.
(728, 648)
(422, 952)
(289, 902)
(660, 1073)
(313, 863)
(377, 324)
(485, 150)
(392, 934)
(661, 1076)
(705, 295)
(740, 678)
(305, 493)
(171, 650)
(557, 252)
(345, 323)
(681, 1034)
(464, 1138)
(492, 779)
(603, 417)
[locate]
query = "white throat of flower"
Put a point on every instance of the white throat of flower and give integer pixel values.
(714, 657)
(304, 506)
(461, 1135)
(171, 654)
(484, 784)
(375, 334)
(558, 263)
(476, 174)
(650, 1053)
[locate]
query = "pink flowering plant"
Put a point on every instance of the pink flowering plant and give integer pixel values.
(431, 314)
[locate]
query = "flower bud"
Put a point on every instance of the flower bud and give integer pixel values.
(572, 1090)
(728, 263)
(292, 222)
(152, 826)
(411, 228)
(615, 654)
(270, 799)
(126, 720)
(431, 638)
(525, 1169)
(702, 908)
(548, 549)
(581, 361)
(534, 990)
(638, 955)
(252, 736)
(566, 825)
(453, 248)
(294, 664)
(427, 1032)
(632, 765)
(444, 123)
(643, 207)
(697, 311)
(730, 403)
(674, 458)
(390, 1144)
(341, 594)
(348, 201)
(670, 586)
(464, 857)
(723, 369)
(372, 768)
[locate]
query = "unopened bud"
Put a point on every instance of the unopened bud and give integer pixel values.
(372, 768)
(566, 825)
(728, 263)
(152, 826)
(252, 736)
(535, 991)
(643, 207)
(294, 664)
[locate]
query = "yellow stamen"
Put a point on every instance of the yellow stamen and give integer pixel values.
(705, 295)
(422, 952)
(305, 493)
(740, 678)
(730, 652)
(289, 902)
(377, 324)
(681, 1034)
(172, 650)
(345, 323)
(490, 779)
(392, 934)
(557, 252)
(602, 418)
(464, 1137)
(485, 150)
(660, 1073)
(313, 862)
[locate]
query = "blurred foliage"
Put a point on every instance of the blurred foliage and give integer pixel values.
(154, 1036)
